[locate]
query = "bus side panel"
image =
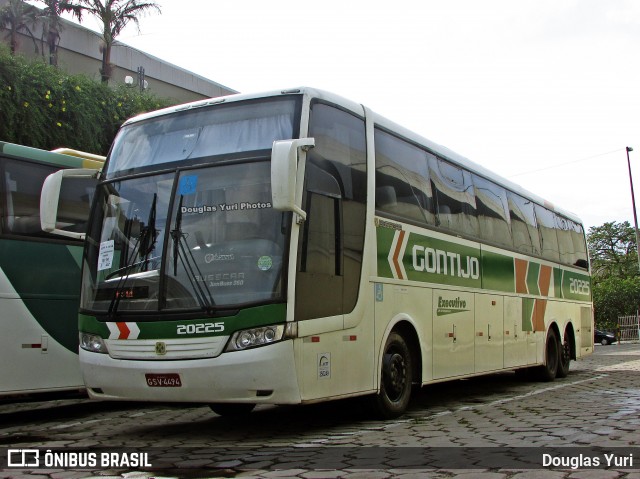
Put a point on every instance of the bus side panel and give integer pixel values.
(395, 303)
(489, 332)
(453, 333)
(337, 363)
(33, 360)
(519, 340)
(39, 294)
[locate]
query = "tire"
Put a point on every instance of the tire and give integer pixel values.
(232, 409)
(395, 379)
(549, 370)
(565, 358)
(605, 342)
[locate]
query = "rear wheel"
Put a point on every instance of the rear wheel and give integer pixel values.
(565, 358)
(396, 379)
(231, 409)
(549, 370)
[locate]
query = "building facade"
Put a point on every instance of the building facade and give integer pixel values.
(79, 52)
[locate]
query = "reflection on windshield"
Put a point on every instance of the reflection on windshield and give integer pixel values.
(187, 135)
(232, 241)
(221, 246)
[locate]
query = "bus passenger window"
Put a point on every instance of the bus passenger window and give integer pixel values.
(579, 245)
(455, 197)
(548, 237)
(493, 212)
(523, 224)
(403, 190)
(565, 242)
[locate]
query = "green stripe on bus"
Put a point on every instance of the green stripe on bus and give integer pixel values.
(48, 293)
(497, 272)
(533, 273)
(246, 318)
(527, 313)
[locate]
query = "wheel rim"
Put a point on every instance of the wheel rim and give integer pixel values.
(395, 377)
(566, 353)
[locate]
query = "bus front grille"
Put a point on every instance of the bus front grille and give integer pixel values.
(166, 349)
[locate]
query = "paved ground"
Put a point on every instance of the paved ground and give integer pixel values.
(497, 427)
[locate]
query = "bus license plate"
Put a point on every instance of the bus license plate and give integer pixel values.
(169, 380)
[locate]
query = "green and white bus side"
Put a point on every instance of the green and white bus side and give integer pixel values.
(39, 274)
(295, 247)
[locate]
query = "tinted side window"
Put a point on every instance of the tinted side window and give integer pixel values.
(523, 224)
(565, 242)
(21, 185)
(455, 198)
(402, 180)
(493, 212)
(330, 249)
(579, 245)
(548, 237)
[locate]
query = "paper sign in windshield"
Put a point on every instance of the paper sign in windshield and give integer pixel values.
(105, 256)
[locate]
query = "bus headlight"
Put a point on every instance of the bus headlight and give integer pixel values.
(93, 343)
(254, 337)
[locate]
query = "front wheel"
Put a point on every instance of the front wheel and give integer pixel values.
(396, 379)
(231, 409)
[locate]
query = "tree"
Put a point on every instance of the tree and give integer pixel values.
(51, 16)
(114, 16)
(614, 268)
(17, 16)
(612, 248)
(615, 297)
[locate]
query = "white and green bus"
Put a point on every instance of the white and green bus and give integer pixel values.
(295, 247)
(39, 273)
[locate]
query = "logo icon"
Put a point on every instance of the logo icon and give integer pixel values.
(23, 458)
(161, 348)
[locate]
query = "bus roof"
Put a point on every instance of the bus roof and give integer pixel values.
(80, 160)
(379, 120)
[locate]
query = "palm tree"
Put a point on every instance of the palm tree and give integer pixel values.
(115, 15)
(18, 16)
(53, 25)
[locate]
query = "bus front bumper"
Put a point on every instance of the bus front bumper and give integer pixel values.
(261, 375)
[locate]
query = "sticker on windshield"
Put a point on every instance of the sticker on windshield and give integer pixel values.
(265, 263)
(105, 256)
(188, 185)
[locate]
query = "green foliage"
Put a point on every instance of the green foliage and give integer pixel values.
(42, 107)
(612, 248)
(614, 297)
(614, 267)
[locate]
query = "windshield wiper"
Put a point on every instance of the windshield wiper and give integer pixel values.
(182, 252)
(143, 246)
(149, 234)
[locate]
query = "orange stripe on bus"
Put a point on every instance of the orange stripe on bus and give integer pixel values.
(539, 308)
(521, 275)
(544, 280)
(396, 253)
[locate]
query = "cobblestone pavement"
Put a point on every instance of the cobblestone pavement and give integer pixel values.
(496, 427)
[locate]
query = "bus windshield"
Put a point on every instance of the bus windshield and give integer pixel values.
(186, 137)
(172, 234)
(220, 246)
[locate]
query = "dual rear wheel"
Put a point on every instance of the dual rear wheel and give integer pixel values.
(557, 357)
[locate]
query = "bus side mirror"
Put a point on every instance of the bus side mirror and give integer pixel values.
(50, 197)
(287, 175)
